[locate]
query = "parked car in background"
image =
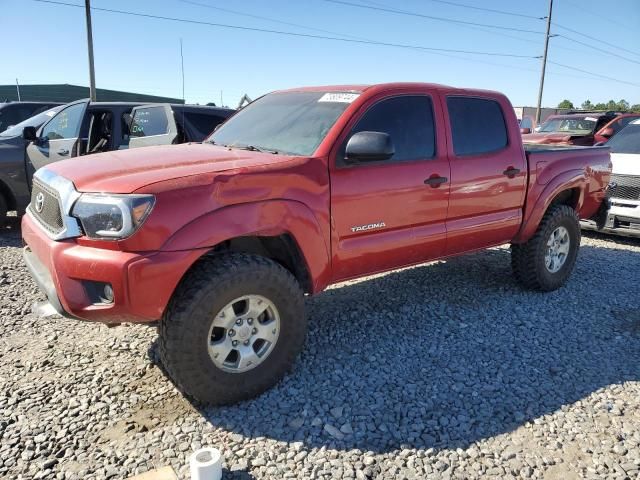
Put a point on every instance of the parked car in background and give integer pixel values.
(527, 124)
(36, 121)
(624, 216)
(304, 188)
(12, 113)
(573, 129)
(83, 128)
(614, 126)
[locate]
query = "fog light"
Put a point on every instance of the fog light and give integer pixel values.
(99, 293)
(107, 293)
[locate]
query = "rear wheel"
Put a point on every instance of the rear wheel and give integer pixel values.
(3, 210)
(233, 328)
(546, 261)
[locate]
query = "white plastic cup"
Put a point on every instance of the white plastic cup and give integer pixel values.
(206, 464)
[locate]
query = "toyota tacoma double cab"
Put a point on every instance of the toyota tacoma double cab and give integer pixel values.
(219, 242)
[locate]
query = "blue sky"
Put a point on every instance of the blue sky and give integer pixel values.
(45, 43)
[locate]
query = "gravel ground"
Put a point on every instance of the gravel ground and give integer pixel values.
(442, 371)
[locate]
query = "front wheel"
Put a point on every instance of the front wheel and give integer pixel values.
(546, 261)
(232, 329)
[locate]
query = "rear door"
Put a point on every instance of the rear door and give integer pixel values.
(390, 213)
(488, 173)
(58, 138)
(152, 125)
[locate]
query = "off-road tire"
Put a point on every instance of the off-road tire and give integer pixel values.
(3, 210)
(206, 289)
(527, 259)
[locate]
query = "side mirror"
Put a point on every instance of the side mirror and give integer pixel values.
(607, 132)
(525, 131)
(369, 147)
(29, 134)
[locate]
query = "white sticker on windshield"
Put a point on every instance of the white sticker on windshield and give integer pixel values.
(50, 113)
(591, 119)
(339, 97)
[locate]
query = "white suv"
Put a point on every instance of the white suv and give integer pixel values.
(624, 216)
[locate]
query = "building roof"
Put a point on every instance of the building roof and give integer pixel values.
(65, 93)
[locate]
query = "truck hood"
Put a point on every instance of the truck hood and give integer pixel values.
(626, 163)
(125, 171)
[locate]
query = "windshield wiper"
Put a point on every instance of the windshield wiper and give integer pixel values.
(253, 148)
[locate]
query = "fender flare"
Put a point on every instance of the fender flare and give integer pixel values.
(265, 218)
(533, 214)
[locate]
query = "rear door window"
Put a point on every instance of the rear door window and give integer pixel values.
(477, 125)
(149, 121)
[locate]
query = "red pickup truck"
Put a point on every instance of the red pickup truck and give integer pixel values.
(220, 241)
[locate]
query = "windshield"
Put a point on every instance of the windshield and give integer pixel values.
(35, 121)
(626, 140)
(573, 125)
(291, 123)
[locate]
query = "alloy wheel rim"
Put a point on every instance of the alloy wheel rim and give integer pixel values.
(243, 333)
(557, 249)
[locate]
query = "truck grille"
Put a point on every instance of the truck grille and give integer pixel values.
(627, 187)
(45, 207)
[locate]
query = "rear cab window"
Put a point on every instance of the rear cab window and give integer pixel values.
(477, 125)
(149, 121)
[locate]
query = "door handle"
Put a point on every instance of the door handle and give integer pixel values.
(436, 181)
(63, 151)
(511, 172)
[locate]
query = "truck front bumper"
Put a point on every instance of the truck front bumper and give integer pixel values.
(73, 277)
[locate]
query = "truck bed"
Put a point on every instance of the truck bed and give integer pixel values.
(541, 148)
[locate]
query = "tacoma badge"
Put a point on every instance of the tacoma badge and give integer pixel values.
(371, 226)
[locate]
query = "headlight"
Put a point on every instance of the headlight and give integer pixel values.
(112, 216)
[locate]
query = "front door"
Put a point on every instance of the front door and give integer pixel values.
(58, 138)
(390, 213)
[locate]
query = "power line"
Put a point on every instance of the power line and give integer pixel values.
(595, 39)
(608, 52)
(594, 74)
(484, 62)
(501, 12)
(435, 51)
(271, 19)
(431, 17)
(268, 19)
(293, 34)
(600, 16)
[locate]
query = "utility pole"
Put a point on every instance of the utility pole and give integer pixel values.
(92, 73)
(544, 62)
(18, 89)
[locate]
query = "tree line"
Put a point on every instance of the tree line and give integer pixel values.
(620, 106)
